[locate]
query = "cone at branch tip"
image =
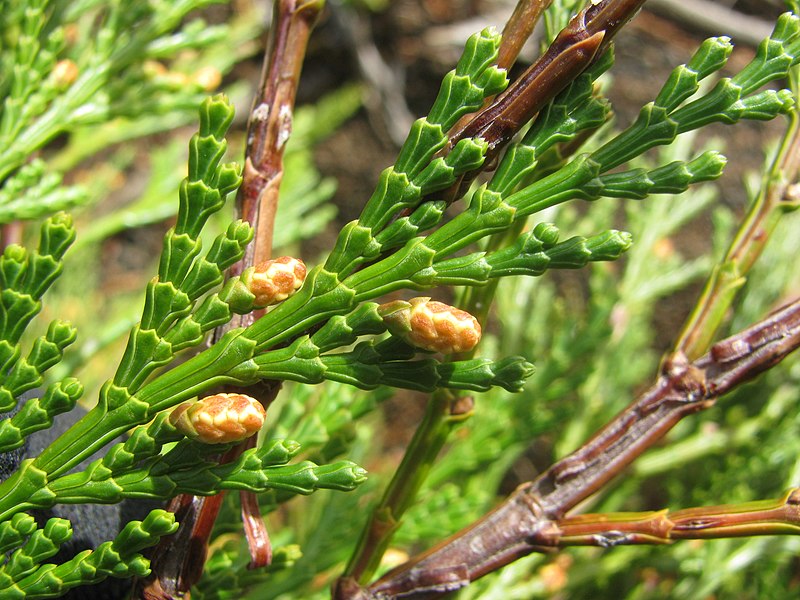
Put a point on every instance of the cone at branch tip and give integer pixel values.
(431, 325)
(273, 281)
(219, 419)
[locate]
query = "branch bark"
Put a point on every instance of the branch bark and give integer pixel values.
(763, 517)
(270, 122)
(577, 46)
(528, 520)
(589, 32)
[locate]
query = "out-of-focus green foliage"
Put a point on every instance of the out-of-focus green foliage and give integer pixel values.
(97, 76)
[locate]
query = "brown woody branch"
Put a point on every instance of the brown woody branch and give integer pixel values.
(529, 520)
(516, 32)
(589, 32)
(575, 48)
(518, 29)
(268, 130)
(270, 122)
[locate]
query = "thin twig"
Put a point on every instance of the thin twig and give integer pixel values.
(516, 32)
(177, 561)
(575, 48)
(518, 29)
(763, 517)
(444, 409)
(269, 127)
(258, 542)
(271, 120)
(589, 32)
(778, 194)
(527, 521)
(268, 131)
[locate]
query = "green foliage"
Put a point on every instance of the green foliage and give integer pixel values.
(331, 332)
(56, 83)
(226, 575)
(118, 558)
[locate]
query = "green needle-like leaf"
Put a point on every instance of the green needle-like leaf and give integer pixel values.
(15, 530)
(117, 558)
(42, 544)
(37, 413)
(184, 470)
(684, 80)
(532, 254)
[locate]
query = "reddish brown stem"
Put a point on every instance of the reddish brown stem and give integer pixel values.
(585, 38)
(574, 49)
(271, 120)
(10, 233)
(177, 561)
(528, 520)
(255, 530)
(516, 32)
(518, 29)
(268, 130)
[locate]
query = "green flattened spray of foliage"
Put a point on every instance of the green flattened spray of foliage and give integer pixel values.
(331, 338)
